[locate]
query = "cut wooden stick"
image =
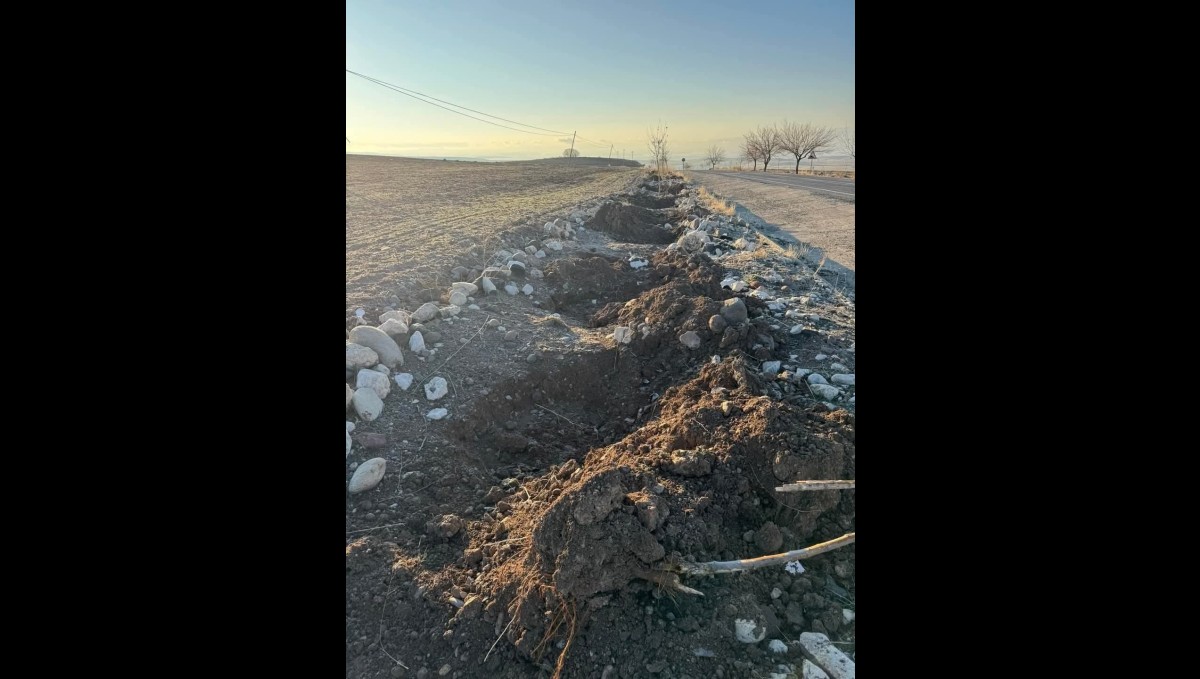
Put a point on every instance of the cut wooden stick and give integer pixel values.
(714, 567)
(814, 485)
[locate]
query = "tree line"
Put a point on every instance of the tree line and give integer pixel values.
(801, 140)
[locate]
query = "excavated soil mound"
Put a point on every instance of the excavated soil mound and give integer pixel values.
(585, 279)
(630, 223)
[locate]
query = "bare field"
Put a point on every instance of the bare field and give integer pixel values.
(405, 216)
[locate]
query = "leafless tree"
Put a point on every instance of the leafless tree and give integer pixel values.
(716, 155)
(750, 149)
(659, 152)
(803, 141)
(570, 153)
(767, 139)
(847, 139)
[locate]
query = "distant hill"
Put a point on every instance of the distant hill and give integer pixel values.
(588, 160)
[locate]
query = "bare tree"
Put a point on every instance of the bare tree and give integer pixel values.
(847, 139)
(767, 139)
(570, 153)
(659, 152)
(716, 155)
(750, 149)
(803, 141)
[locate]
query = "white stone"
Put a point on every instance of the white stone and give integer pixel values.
(503, 256)
(511, 288)
(404, 381)
(553, 245)
(473, 307)
(530, 249)
(393, 327)
(368, 475)
(374, 380)
(349, 442)
(799, 374)
(540, 254)
(457, 298)
(488, 286)
(381, 368)
(690, 339)
(359, 312)
(816, 378)
(792, 313)
(771, 367)
(465, 288)
(827, 656)
(349, 396)
(852, 399)
(349, 426)
(623, 334)
(437, 413)
(811, 671)
(777, 646)
(796, 330)
(379, 341)
(386, 316)
(838, 367)
(450, 311)
(425, 312)
(527, 289)
(436, 388)
(358, 356)
(843, 379)
(776, 593)
(637, 262)
(416, 341)
(737, 286)
(748, 631)
(847, 616)
(367, 403)
(794, 567)
(820, 357)
(536, 273)
(825, 391)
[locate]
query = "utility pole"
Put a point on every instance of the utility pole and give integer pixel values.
(572, 154)
(610, 148)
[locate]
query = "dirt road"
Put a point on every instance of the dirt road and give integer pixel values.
(807, 215)
(405, 216)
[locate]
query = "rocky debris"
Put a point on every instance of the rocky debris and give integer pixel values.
(492, 322)
(348, 443)
(540, 254)
(511, 288)
(448, 526)
(401, 316)
(816, 378)
(516, 269)
(349, 396)
(436, 388)
(749, 631)
(622, 334)
(378, 341)
(777, 646)
(437, 413)
(824, 654)
(717, 324)
(426, 312)
(358, 356)
(824, 391)
(734, 311)
(510, 336)
(552, 244)
(811, 671)
(393, 327)
(458, 299)
(820, 357)
(376, 381)
(536, 274)
(450, 311)
(690, 339)
(416, 342)
(487, 285)
(638, 262)
(844, 379)
(771, 367)
(847, 616)
(368, 475)
(837, 367)
(692, 463)
(768, 538)
(465, 288)
(527, 289)
(367, 403)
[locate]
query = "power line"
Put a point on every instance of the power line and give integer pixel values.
(383, 84)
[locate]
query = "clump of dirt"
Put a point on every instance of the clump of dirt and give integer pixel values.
(688, 485)
(630, 223)
(585, 279)
(649, 201)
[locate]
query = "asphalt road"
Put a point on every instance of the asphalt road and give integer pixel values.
(833, 187)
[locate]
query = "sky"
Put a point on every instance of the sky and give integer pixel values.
(706, 70)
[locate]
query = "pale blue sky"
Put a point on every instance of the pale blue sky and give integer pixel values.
(708, 69)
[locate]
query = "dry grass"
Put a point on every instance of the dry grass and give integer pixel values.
(714, 204)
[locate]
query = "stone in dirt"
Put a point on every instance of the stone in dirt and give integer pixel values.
(349, 396)
(488, 286)
(402, 316)
(717, 323)
(540, 254)
(771, 367)
(734, 310)
(460, 273)
(378, 382)
(367, 403)
(465, 288)
(553, 244)
(825, 391)
(622, 334)
(450, 311)
(380, 343)
(825, 655)
(358, 356)
(536, 273)
(510, 336)
(816, 378)
(528, 289)
(368, 475)
(393, 327)
(690, 339)
(416, 342)
(811, 671)
(404, 381)
(426, 312)
(777, 646)
(511, 289)
(838, 367)
(768, 538)
(437, 413)
(436, 388)
(457, 298)
(348, 444)
(843, 379)
(516, 269)
(691, 462)
(492, 322)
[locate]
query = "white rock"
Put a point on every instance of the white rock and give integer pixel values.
(488, 286)
(794, 567)
(349, 426)
(637, 262)
(503, 256)
(473, 307)
(373, 380)
(527, 289)
(690, 339)
(796, 330)
(349, 442)
(737, 286)
(349, 396)
(847, 616)
(416, 341)
(762, 294)
(820, 357)
(800, 373)
(358, 356)
(843, 379)
(381, 368)
(404, 381)
(465, 288)
(457, 298)
(386, 316)
(771, 367)
(811, 671)
(777, 646)
(792, 313)
(776, 306)
(368, 475)
(536, 273)
(852, 399)
(623, 334)
(359, 312)
(825, 391)
(393, 327)
(814, 318)
(436, 388)
(827, 656)
(367, 403)
(437, 413)
(838, 367)
(540, 254)
(501, 328)
(816, 378)
(450, 311)
(530, 249)
(776, 593)
(379, 341)
(511, 288)
(748, 632)
(553, 245)
(425, 312)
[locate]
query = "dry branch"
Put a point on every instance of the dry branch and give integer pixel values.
(814, 485)
(714, 567)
